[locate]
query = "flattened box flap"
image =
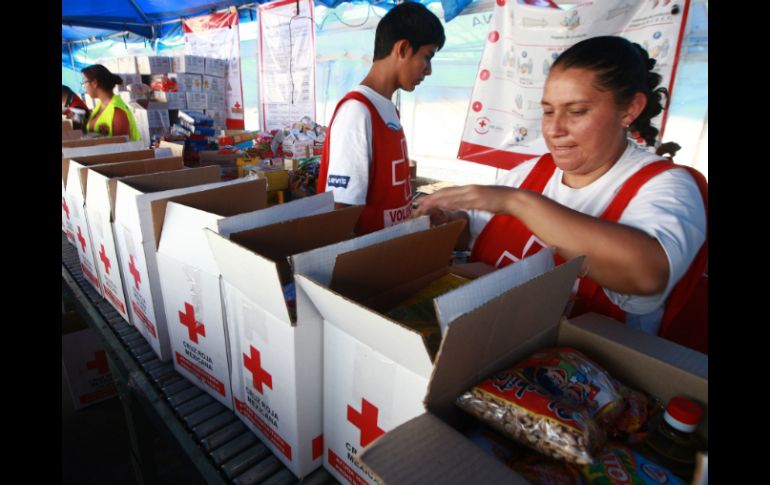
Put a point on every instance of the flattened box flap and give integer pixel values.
(307, 206)
(318, 263)
(104, 158)
(425, 450)
(184, 217)
(382, 275)
(482, 342)
(171, 180)
(89, 142)
(242, 195)
(279, 241)
(466, 298)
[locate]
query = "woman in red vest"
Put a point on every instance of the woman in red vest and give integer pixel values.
(639, 220)
(73, 107)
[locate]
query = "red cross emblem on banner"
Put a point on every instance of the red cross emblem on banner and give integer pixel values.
(134, 272)
(366, 421)
(188, 320)
(99, 363)
(105, 260)
(81, 239)
(65, 207)
(259, 375)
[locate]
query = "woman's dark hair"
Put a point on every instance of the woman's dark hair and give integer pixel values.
(624, 68)
(103, 76)
(66, 90)
(410, 21)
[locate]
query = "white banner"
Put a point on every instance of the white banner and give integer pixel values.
(286, 62)
(502, 127)
(216, 36)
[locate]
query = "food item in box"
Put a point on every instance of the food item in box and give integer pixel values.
(526, 412)
(304, 180)
(418, 311)
(572, 377)
(618, 464)
(635, 414)
(542, 470)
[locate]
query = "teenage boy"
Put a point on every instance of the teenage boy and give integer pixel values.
(365, 161)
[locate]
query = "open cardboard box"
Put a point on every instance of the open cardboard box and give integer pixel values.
(83, 160)
(189, 278)
(89, 142)
(99, 187)
(137, 233)
(75, 195)
(523, 320)
(276, 352)
(376, 369)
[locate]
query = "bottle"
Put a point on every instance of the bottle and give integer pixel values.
(672, 442)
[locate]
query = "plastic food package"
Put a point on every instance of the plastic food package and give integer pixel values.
(525, 412)
(618, 464)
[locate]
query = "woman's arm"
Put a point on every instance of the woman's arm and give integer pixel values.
(618, 257)
(120, 124)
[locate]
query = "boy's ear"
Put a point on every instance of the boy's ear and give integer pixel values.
(402, 48)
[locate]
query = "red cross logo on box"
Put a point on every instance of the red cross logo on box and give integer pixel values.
(366, 421)
(65, 207)
(99, 363)
(134, 271)
(259, 375)
(105, 260)
(81, 239)
(188, 320)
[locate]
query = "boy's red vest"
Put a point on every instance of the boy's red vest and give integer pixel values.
(388, 199)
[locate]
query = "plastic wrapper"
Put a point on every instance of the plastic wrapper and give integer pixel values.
(570, 376)
(418, 312)
(617, 464)
(541, 470)
(527, 413)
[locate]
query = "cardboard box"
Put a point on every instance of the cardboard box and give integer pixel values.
(219, 117)
(213, 84)
(467, 355)
(277, 177)
(130, 79)
(187, 83)
(189, 64)
(215, 101)
(78, 224)
(216, 67)
(70, 134)
(197, 101)
(153, 65)
(66, 125)
(68, 226)
(127, 65)
(101, 181)
(277, 354)
(189, 278)
(173, 100)
(85, 363)
(137, 241)
(376, 370)
(94, 141)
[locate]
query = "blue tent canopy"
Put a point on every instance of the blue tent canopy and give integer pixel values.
(88, 19)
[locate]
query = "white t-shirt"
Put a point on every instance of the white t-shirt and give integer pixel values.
(350, 145)
(668, 207)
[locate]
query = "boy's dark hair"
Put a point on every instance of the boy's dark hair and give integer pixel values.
(410, 21)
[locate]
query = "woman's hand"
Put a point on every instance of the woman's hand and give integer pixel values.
(491, 198)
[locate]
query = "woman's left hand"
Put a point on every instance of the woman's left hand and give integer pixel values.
(491, 198)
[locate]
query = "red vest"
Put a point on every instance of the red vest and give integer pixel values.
(389, 196)
(505, 240)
